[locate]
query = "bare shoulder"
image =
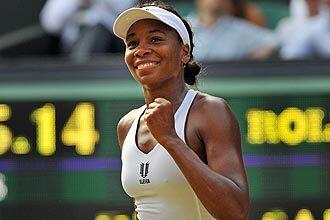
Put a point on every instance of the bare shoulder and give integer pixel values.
(210, 111)
(218, 128)
(125, 124)
(206, 104)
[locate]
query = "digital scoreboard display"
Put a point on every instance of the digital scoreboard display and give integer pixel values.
(39, 122)
(60, 152)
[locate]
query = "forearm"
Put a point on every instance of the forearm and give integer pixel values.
(223, 198)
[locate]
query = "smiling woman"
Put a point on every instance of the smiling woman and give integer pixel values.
(154, 53)
(181, 151)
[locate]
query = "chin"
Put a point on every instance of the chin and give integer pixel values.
(151, 81)
(148, 79)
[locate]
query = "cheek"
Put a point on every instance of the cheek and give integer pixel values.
(174, 56)
(129, 61)
(128, 58)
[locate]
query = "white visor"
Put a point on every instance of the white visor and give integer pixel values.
(126, 19)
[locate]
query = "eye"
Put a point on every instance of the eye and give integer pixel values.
(156, 39)
(132, 43)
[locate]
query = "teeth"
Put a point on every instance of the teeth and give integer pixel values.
(146, 65)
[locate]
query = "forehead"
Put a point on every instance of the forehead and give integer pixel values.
(146, 25)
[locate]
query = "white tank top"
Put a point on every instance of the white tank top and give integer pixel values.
(160, 190)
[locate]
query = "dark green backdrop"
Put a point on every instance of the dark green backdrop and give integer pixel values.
(67, 185)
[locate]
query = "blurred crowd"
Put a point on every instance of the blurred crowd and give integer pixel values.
(306, 33)
(84, 26)
(237, 29)
(223, 29)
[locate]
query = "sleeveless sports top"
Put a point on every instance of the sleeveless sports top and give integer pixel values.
(159, 188)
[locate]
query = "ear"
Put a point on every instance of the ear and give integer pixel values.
(185, 57)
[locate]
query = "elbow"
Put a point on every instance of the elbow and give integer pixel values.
(242, 212)
(237, 210)
(235, 215)
(241, 215)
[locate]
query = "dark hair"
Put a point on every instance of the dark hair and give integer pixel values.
(191, 68)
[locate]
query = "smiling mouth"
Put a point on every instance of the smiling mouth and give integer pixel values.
(146, 65)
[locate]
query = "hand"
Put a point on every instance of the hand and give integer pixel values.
(159, 117)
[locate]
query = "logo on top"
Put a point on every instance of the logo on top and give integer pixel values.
(144, 170)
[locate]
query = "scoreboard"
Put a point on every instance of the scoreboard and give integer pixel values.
(60, 157)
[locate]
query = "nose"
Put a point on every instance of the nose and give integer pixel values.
(141, 51)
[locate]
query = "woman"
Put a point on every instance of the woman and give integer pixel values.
(181, 151)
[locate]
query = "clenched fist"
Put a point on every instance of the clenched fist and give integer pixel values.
(159, 118)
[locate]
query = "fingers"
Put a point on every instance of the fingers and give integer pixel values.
(160, 100)
(150, 111)
(147, 112)
(153, 105)
(157, 102)
(148, 115)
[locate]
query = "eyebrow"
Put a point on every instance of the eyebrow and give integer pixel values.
(157, 30)
(130, 35)
(151, 31)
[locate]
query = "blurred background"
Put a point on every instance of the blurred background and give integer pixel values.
(64, 86)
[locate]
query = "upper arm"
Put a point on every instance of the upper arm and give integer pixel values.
(123, 127)
(121, 132)
(221, 137)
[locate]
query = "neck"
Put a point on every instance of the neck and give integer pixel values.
(174, 93)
